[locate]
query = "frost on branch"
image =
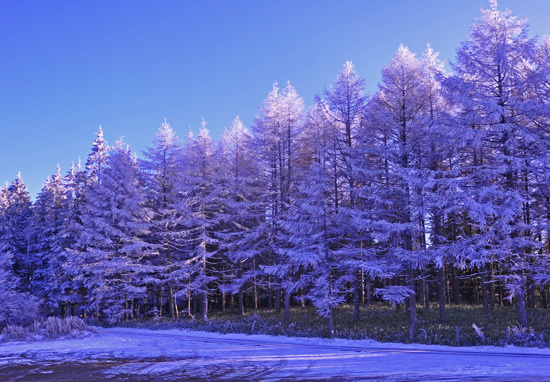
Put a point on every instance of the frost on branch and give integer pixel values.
(394, 294)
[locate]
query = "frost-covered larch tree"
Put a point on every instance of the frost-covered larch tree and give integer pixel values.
(116, 223)
(48, 212)
(71, 291)
(440, 198)
(237, 174)
(397, 121)
(14, 242)
(315, 223)
(97, 159)
(500, 147)
(343, 106)
(539, 91)
(276, 134)
(16, 307)
(204, 208)
(162, 168)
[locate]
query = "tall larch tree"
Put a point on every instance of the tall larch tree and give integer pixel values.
(237, 173)
(500, 147)
(276, 134)
(399, 107)
(162, 168)
(344, 107)
(115, 225)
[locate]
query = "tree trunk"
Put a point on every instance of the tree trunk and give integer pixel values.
(356, 297)
(205, 305)
(171, 302)
(255, 283)
(441, 287)
(362, 286)
(531, 291)
(269, 293)
(491, 286)
(241, 293)
(456, 290)
(476, 293)
(426, 289)
(278, 300)
(484, 292)
(368, 290)
(241, 301)
(500, 294)
(330, 324)
(520, 307)
(287, 305)
(412, 303)
(160, 303)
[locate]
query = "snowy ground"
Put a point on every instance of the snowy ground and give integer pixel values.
(145, 355)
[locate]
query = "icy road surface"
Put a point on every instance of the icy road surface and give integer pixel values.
(122, 354)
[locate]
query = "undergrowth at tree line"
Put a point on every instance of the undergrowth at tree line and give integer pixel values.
(379, 322)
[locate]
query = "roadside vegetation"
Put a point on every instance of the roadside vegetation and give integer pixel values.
(379, 322)
(47, 329)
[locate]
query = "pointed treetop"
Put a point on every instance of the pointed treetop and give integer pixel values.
(237, 125)
(203, 125)
(121, 145)
(430, 59)
(165, 136)
(346, 78)
(236, 132)
(271, 98)
(404, 52)
(349, 68)
(203, 132)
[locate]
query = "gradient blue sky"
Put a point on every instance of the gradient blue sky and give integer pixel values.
(68, 66)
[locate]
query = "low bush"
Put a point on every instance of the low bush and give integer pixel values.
(49, 329)
(19, 309)
(55, 327)
(14, 333)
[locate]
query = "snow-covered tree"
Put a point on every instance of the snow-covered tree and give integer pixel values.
(204, 206)
(71, 292)
(276, 134)
(397, 123)
(14, 242)
(237, 174)
(17, 305)
(162, 167)
(116, 222)
(343, 105)
(97, 159)
(48, 213)
(500, 146)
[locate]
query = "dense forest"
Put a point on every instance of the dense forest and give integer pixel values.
(434, 188)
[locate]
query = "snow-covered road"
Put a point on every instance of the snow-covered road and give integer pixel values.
(139, 355)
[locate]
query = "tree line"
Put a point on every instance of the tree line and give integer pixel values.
(434, 188)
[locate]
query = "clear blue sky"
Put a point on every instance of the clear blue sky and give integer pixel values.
(68, 66)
